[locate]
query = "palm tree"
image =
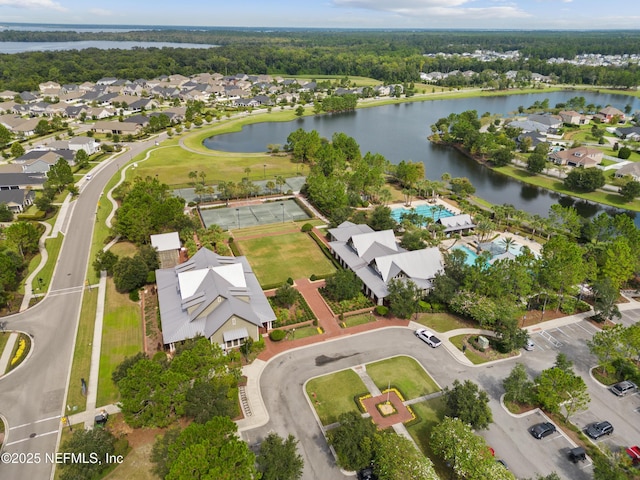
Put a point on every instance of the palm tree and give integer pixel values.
(192, 176)
(271, 185)
(247, 170)
(385, 196)
(202, 176)
(483, 229)
(280, 181)
(507, 243)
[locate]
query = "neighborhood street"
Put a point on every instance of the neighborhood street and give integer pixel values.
(32, 397)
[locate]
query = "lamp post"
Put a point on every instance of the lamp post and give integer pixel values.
(282, 205)
(238, 214)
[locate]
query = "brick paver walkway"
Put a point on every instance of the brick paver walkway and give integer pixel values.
(326, 319)
(402, 415)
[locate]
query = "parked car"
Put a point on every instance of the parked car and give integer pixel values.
(541, 430)
(623, 388)
(634, 454)
(428, 337)
(88, 177)
(599, 429)
(529, 345)
(577, 454)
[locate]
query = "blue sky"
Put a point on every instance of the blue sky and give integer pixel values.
(488, 14)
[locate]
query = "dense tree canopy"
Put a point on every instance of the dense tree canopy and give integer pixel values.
(147, 208)
(279, 459)
(469, 403)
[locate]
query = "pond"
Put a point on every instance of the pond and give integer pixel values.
(400, 131)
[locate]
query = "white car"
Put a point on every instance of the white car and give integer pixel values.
(529, 346)
(428, 337)
(88, 177)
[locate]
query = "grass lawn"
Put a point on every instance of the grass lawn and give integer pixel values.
(443, 322)
(404, 373)
(269, 229)
(359, 319)
(430, 412)
(607, 198)
(276, 258)
(136, 465)
(470, 354)
(303, 332)
(121, 338)
(124, 249)
(82, 353)
(53, 246)
(4, 338)
(334, 394)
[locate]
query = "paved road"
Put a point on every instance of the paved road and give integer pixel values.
(32, 397)
(283, 379)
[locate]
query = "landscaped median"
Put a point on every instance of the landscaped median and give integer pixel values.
(398, 379)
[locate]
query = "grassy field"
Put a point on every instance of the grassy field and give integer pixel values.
(404, 373)
(276, 258)
(124, 249)
(136, 465)
(82, 353)
(4, 338)
(360, 319)
(607, 198)
(334, 394)
(430, 412)
(443, 322)
(121, 338)
(303, 332)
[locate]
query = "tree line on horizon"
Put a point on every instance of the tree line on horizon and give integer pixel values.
(391, 57)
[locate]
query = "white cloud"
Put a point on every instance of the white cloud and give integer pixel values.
(33, 4)
(101, 12)
(435, 8)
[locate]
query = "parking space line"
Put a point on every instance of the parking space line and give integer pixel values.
(586, 329)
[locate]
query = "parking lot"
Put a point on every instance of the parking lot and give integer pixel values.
(526, 455)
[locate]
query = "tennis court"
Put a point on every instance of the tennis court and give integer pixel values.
(229, 218)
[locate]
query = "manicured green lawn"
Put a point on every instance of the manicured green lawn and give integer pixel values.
(121, 338)
(404, 373)
(470, 354)
(360, 319)
(334, 394)
(443, 322)
(276, 258)
(430, 413)
(82, 353)
(607, 198)
(303, 332)
(4, 338)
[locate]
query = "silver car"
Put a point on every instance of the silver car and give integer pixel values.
(428, 337)
(623, 388)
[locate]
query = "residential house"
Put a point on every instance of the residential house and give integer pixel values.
(107, 81)
(116, 128)
(577, 157)
(27, 128)
(376, 258)
(212, 296)
(628, 133)
(47, 88)
(87, 144)
(140, 120)
(8, 94)
(631, 169)
(17, 200)
(572, 117)
(607, 113)
(21, 181)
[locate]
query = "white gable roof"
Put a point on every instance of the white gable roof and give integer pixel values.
(232, 273)
(416, 264)
(190, 281)
(363, 241)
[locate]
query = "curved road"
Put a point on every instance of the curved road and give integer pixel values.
(32, 396)
(282, 386)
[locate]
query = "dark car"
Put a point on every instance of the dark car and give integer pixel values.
(541, 430)
(577, 454)
(624, 387)
(366, 474)
(599, 429)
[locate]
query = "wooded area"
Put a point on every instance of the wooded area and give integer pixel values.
(396, 56)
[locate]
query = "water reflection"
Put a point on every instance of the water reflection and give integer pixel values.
(400, 131)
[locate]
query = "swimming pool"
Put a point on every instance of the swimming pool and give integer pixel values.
(471, 255)
(425, 210)
(514, 249)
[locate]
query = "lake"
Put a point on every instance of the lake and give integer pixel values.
(19, 47)
(400, 131)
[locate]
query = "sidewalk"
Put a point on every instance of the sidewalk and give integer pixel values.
(44, 256)
(5, 358)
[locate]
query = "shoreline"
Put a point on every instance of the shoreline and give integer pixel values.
(194, 140)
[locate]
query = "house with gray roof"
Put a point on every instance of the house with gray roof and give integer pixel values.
(20, 181)
(585, 157)
(632, 169)
(376, 258)
(17, 200)
(457, 223)
(212, 296)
